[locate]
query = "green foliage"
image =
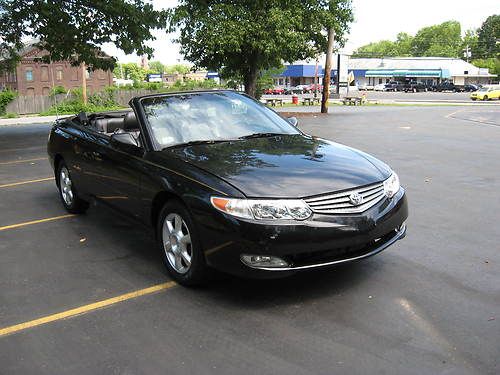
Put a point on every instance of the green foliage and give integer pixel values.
(56, 90)
(156, 67)
(492, 63)
(247, 37)
(11, 115)
(438, 40)
(101, 101)
(489, 38)
(177, 68)
(130, 71)
(442, 40)
(71, 29)
(190, 84)
(6, 97)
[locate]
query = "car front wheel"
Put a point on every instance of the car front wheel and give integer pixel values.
(180, 246)
(69, 197)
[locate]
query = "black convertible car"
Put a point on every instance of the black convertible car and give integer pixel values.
(229, 184)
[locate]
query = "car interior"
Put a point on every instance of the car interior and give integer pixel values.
(113, 123)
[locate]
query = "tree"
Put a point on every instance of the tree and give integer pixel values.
(377, 49)
(439, 40)
(248, 36)
(156, 67)
(489, 37)
(177, 68)
(492, 63)
(130, 71)
(75, 29)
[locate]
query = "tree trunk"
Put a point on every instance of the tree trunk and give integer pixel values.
(328, 70)
(250, 81)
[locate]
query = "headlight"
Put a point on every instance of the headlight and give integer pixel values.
(269, 209)
(391, 185)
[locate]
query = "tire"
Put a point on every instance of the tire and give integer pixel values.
(473, 99)
(485, 97)
(180, 246)
(67, 191)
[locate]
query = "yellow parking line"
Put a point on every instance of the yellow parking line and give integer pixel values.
(21, 161)
(85, 308)
(19, 225)
(26, 182)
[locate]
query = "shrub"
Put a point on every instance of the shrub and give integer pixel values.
(5, 98)
(57, 90)
(97, 102)
(11, 115)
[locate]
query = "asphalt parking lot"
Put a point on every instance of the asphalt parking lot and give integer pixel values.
(430, 304)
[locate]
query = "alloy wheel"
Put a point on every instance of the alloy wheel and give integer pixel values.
(177, 243)
(66, 186)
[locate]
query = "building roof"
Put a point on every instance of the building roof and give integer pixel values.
(456, 67)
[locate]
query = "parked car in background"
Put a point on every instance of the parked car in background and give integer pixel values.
(486, 93)
(314, 87)
(274, 91)
(471, 87)
(394, 86)
(414, 86)
(448, 86)
(379, 87)
(365, 87)
(301, 88)
(227, 183)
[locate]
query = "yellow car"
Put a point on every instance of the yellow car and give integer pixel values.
(486, 93)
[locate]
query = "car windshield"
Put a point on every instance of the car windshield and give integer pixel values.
(484, 89)
(210, 116)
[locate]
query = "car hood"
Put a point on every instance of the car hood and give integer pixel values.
(285, 166)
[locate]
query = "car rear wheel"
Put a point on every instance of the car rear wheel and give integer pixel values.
(69, 197)
(180, 246)
(485, 97)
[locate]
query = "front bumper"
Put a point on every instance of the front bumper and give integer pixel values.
(321, 241)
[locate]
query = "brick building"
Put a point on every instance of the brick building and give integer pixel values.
(33, 77)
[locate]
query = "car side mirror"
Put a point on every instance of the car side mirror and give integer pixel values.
(293, 121)
(124, 138)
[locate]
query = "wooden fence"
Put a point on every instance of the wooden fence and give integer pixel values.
(26, 105)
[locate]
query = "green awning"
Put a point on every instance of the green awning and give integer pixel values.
(404, 73)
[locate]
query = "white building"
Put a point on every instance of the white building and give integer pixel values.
(373, 71)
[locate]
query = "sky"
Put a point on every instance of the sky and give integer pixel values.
(374, 20)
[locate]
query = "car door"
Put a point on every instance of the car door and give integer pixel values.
(111, 170)
(119, 167)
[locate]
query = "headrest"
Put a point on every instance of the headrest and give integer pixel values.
(108, 125)
(130, 122)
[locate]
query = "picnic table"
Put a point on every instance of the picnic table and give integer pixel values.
(353, 100)
(274, 102)
(310, 101)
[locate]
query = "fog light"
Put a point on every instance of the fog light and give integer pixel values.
(263, 261)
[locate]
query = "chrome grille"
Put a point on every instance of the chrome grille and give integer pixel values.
(340, 203)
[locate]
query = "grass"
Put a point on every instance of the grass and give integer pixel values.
(10, 115)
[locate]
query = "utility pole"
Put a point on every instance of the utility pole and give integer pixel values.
(84, 83)
(467, 53)
(337, 80)
(328, 69)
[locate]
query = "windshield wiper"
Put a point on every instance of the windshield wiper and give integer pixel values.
(261, 135)
(198, 142)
